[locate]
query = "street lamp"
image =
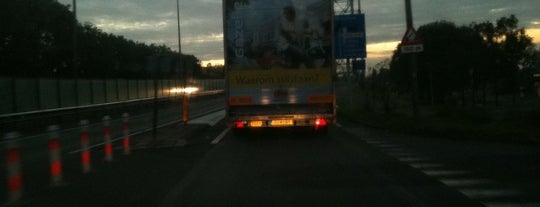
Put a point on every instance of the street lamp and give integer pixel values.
(185, 95)
(178, 23)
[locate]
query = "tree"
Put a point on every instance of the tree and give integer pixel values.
(465, 58)
(35, 37)
(36, 40)
(508, 50)
(450, 53)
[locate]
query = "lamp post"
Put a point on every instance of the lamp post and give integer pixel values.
(185, 96)
(75, 68)
(178, 23)
(75, 52)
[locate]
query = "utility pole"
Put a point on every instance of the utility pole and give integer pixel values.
(185, 96)
(75, 41)
(178, 23)
(414, 80)
(75, 52)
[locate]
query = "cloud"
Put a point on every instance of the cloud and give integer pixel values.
(117, 26)
(205, 38)
(154, 21)
(535, 24)
(498, 10)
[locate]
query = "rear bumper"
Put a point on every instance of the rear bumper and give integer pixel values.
(268, 121)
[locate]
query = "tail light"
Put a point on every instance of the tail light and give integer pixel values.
(320, 122)
(239, 124)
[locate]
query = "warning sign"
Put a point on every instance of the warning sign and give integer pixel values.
(411, 42)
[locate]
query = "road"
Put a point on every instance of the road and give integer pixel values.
(351, 166)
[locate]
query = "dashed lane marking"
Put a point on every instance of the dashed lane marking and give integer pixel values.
(221, 135)
(483, 190)
(210, 119)
(393, 150)
(389, 146)
(401, 154)
(501, 204)
(442, 173)
(181, 143)
(426, 165)
(488, 193)
(375, 142)
(464, 182)
(413, 159)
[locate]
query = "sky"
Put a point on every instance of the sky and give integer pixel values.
(201, 24)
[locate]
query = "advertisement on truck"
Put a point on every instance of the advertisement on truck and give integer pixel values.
(279, 62)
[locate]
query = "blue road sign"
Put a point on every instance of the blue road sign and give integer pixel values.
(350, 36)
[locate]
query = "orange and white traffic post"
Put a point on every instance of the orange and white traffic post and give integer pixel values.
(13, 168)
(125, 129)
(107, 137)
(85, 147)
(55, 155)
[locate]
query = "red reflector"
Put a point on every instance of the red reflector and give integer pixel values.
(239, 124)
(320, 122)
(56, 168)
(14, 183)
(108, 149)
(126, 142)
(85, 158)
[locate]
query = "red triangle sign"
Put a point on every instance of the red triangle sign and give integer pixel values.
(410, 37)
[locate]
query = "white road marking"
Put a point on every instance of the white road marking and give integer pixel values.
(371, 138)
(389, 146)
(488, 193)
(339, 125)
(181, 143)
(438, 173)
(376, 142)
(464, 182)
(401, 154)
(393, 150)
(470, 187)
(413, 159)
(209, 119)
(220, 136)
(426, 165)
(500, 204)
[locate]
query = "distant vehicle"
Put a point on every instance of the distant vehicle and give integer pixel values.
(280, 63)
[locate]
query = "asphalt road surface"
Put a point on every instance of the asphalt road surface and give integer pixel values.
(351, 166)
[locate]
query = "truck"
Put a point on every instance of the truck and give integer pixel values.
(279, 64)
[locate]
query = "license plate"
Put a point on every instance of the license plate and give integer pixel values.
(282, 122)
(255, 123)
